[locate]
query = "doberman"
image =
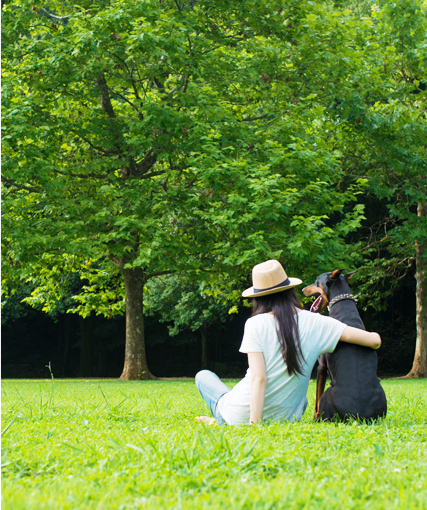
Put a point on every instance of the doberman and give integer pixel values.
(355, 389)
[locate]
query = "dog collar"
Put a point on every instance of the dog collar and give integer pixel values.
(341, 297)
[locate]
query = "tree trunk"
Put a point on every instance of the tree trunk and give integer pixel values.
(86, 338)
(204, 333)
(64, 339)
(101, 370)
(135, 366)
(419, 367)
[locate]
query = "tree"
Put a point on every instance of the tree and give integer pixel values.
(186, 303)
(408, 176)
(165, 136)
(375, 104)
(52, 290)
(384, 110)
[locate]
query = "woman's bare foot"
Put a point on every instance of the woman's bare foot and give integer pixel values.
(206, 419)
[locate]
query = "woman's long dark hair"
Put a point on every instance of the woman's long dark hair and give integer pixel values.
(283, 305)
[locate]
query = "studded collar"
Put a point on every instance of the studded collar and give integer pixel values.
(341, 297)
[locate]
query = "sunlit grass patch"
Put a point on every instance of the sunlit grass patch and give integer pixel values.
(109, 444)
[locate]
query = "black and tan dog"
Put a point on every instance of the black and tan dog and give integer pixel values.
(355, 389)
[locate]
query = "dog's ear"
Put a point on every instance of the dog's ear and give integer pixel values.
(331, 277)
(349, 275)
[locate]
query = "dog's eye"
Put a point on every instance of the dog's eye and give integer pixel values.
(329, 281)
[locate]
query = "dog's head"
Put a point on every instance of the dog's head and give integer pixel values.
(321, 289)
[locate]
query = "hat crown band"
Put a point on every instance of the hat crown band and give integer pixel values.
(282, 284)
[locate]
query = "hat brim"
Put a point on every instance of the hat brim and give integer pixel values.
(251, 291)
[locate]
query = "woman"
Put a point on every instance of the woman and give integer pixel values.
(282, 342)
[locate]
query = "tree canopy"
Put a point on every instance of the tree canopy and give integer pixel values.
(144, 138)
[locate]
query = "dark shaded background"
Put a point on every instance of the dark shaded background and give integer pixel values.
(94, 347)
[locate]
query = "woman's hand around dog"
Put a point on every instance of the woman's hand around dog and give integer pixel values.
(361, 337)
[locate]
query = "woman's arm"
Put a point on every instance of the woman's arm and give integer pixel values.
(258, 385)
(361, 337)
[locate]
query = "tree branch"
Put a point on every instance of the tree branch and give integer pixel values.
(147, 163)
(146, 176)
(104, 96)
(116, 261)
(48, 14)
(21, 187)
(159, 273)
(135, 90)
(140, 115)
(265, 116)
(99, 149)
(80, 176)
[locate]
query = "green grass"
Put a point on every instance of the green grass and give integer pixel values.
(113, 445)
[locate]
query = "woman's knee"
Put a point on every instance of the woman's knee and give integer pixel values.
(203, 374)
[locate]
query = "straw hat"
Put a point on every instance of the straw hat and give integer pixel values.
(269, 278)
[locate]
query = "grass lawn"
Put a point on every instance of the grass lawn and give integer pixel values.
(88, 444)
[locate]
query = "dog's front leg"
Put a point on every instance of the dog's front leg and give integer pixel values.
(322, 372)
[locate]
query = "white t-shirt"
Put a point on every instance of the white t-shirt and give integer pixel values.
(285, 395)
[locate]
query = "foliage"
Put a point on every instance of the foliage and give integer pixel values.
(136, 445)
(384, 114)
(158, 137)
(103, 291)
(54, 285)
(13, 308)
(143, 132)
(167, 136)
(184, 302)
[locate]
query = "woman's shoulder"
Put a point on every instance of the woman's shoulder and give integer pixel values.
(307, 316)
(261, 318)
(317, 321)
(260, 327)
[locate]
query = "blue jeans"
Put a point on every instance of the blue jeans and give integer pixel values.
(212, 389)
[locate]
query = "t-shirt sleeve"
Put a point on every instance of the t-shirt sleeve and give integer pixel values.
(329, 332)
(251, 338)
